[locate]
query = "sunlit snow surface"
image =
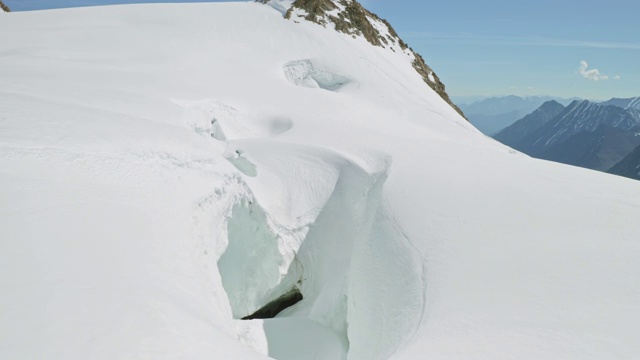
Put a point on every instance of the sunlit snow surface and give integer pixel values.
(168, 169)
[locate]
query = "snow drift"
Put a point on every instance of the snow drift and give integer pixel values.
(168, 170)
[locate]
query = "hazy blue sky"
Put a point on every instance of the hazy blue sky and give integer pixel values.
(567, 48)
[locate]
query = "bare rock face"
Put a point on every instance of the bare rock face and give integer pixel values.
(4, 7)
(349, 17)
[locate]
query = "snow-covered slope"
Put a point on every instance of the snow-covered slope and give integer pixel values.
(351, 18)
(166, 170)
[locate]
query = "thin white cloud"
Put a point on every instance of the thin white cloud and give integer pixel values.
(590, 74)
(584, 44)
(523, 41)
(617, 77)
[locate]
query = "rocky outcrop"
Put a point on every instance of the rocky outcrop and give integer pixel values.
(349, 17)
(4, 7)
(430, 77)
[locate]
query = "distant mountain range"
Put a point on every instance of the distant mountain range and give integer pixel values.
(632, 103)
(490, 115)
(514, 134)
(601, 136)
(629, 166)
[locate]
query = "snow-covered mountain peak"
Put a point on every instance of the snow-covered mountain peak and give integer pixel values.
(584, 114)
(551, 104)
(351, 18)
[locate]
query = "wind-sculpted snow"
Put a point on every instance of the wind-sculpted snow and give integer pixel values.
(224, 122)
(304, 73)
(161, 178)
(328, 258)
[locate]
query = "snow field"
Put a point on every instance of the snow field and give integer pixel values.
(163, 175)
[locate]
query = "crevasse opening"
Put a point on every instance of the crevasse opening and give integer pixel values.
(323, 298)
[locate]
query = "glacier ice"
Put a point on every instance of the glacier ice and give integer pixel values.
(304, 73)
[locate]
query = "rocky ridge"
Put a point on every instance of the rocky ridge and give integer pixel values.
(4, 7)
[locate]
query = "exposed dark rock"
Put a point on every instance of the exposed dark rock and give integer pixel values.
(4, 7)
(273, 308)
(438, 86)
